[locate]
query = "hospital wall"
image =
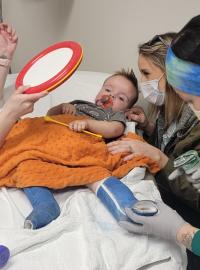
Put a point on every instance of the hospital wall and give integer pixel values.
(109, 30)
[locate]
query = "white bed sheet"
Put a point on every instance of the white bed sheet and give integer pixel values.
(85, 236)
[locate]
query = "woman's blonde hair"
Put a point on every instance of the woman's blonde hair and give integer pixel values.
(156, 50)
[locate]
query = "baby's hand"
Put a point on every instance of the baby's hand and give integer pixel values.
(78, 125)
(138, 115)
(68, 108)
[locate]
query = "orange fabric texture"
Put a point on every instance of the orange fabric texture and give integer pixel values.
(40, 153)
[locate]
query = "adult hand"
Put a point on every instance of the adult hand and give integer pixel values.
(165, 224)
(138, 115)
(8, 40)
(176, 173)
(194, 179)
(68, 108)
(134, 148)
(20, 104)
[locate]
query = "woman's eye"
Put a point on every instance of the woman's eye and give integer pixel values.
(145, 73)
(107, 90)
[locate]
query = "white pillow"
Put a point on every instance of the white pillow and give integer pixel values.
(81, 85)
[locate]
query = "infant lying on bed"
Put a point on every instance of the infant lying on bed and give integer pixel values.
(106, 117)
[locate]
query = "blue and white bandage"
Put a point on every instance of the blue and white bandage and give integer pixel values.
(182, 75)
(116, 196)
(45, 207)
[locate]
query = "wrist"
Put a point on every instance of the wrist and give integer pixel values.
(88, 124)
(185, 235)
(160, 158)
(5, 61)
(149, 128)
(163, 160)
(144, 125)
(10, 115)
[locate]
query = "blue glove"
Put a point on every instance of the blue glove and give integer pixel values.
(116, 196)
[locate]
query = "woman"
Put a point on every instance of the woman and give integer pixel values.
(19, 103)
(175, 122)
(176, 130)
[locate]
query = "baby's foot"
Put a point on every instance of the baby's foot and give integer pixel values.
(41, 216)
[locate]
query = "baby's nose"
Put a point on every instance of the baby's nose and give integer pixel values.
(113, 96)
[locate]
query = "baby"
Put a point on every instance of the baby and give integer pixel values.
(106, 117)
(39, 154)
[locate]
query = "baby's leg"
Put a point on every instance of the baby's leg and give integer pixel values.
(115, 196)
(94, 186)
(45, 207)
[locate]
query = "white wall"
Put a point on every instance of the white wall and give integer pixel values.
(39, 23)
(109, 30)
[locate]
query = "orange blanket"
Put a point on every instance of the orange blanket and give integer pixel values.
(39, 153)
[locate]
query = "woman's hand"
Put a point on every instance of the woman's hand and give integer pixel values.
(134, 148)
(8, 40)
(194, 179)
(20, 104)
(17, 105)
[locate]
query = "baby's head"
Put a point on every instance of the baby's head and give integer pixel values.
(121, 89)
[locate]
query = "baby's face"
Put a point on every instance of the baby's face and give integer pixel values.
(120, 90)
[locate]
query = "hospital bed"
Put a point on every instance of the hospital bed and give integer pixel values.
(85, 236)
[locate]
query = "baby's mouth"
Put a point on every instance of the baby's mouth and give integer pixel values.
(106, 101)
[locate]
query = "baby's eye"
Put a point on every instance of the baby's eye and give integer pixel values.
(122, 99)
(107, 90)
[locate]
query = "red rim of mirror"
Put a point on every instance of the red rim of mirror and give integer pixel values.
(61, 76)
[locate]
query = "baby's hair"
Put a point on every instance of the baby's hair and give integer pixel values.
(130, 76)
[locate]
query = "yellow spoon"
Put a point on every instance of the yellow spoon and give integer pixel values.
(49, 119)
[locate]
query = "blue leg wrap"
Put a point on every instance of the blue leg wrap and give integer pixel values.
(116, 196)
(45, 207)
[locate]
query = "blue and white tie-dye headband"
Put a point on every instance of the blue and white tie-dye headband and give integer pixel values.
(182, 75)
